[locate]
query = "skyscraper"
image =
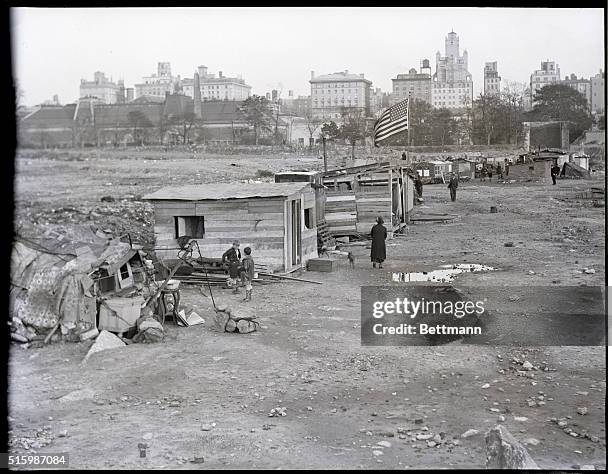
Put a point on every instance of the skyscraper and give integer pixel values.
(452, 82)
(492, 79)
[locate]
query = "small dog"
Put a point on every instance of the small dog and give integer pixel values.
(351, 259)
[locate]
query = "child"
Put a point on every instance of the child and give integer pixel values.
(232, 257)
(248, 273)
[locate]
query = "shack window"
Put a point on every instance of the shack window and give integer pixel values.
(309, 218)
(192, 226)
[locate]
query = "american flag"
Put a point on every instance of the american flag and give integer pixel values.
(392, 121)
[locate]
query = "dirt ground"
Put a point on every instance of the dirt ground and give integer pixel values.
(205, 396)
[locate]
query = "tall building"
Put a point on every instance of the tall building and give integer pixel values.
(219, 87)
(101, 88)
(452, 83)
(581, 85)
(549, 73)
(331, 93)
(157, 85)
(492, 79)
(598, 93)
(416, 85)
(293, 105)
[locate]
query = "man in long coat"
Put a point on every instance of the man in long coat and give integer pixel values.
(453, 185)
(378, 254)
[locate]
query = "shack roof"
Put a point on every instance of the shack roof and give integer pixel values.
(202, 192)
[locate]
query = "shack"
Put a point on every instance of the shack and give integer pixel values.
(277, 220)
(355, 196)
(529, 167)
(465, 169)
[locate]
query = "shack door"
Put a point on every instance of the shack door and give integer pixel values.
(296, 232)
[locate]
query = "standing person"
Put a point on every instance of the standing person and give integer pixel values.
(248, 273)
(418, 185)
(490, 173)
(500, 172)
(231, 257)
(378, 254)
(404, 156)
(453, 185)
(554, 172)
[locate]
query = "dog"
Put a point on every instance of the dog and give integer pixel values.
(351, 259)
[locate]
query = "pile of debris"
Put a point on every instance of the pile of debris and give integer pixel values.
(241, 320)
(66, 289)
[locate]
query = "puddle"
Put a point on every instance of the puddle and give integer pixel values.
(445, 274)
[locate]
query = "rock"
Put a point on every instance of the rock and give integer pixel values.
(431, 444)
(501, 418)
(437, 439)
(220, 319)
(520, 418)
(527, 365)
(509, 244)
(377, 453)
(486, 385)
(62, 434)
(562, 423)
(230, 326)
(84, 336)
(83, 394)
(104, 341)
(469, 433)
(531, 441)
(494, 410)
(582, 410)
(531, 403)
(245, 326)
(384, 444)
(147, 436)
(208, 426)
(505, 452)
(424, 437)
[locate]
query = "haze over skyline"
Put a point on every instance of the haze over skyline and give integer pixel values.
(276, 48)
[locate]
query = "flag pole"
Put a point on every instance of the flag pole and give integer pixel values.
(408, 129)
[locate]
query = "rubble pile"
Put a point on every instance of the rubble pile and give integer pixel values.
(241, 320)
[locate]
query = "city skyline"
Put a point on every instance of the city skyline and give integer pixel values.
(283, 57)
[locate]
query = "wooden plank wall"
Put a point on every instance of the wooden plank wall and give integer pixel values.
(340, 211)
(373, 201)
(256, 222)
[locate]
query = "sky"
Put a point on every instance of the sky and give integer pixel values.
(276, 48)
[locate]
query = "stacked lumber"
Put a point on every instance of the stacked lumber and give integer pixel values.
(324, 237)
(340, 212)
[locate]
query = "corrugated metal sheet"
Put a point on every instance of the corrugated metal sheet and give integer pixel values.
(202, 192)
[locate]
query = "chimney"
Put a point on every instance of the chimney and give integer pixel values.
(345, 72)
(220, 74)
(312, 75)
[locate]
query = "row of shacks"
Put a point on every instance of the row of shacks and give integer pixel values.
(283, 221)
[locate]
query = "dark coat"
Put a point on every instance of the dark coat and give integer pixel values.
(379, 248)
(453, 183)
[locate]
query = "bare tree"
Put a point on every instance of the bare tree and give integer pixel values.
(313, 124)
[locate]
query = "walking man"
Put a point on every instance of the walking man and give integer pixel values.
(554, 172)
(378, 254)
(453, 185)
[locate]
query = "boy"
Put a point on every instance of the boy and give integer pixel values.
(232, 256)
(248, 273)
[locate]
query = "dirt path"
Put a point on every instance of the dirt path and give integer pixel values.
(342, 399)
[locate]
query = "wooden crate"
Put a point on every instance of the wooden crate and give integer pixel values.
(322, 265)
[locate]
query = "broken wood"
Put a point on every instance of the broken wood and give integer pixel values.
(291, 278)
(51, 333)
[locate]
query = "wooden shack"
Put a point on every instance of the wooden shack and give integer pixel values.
(277, 220)
(355, 196)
